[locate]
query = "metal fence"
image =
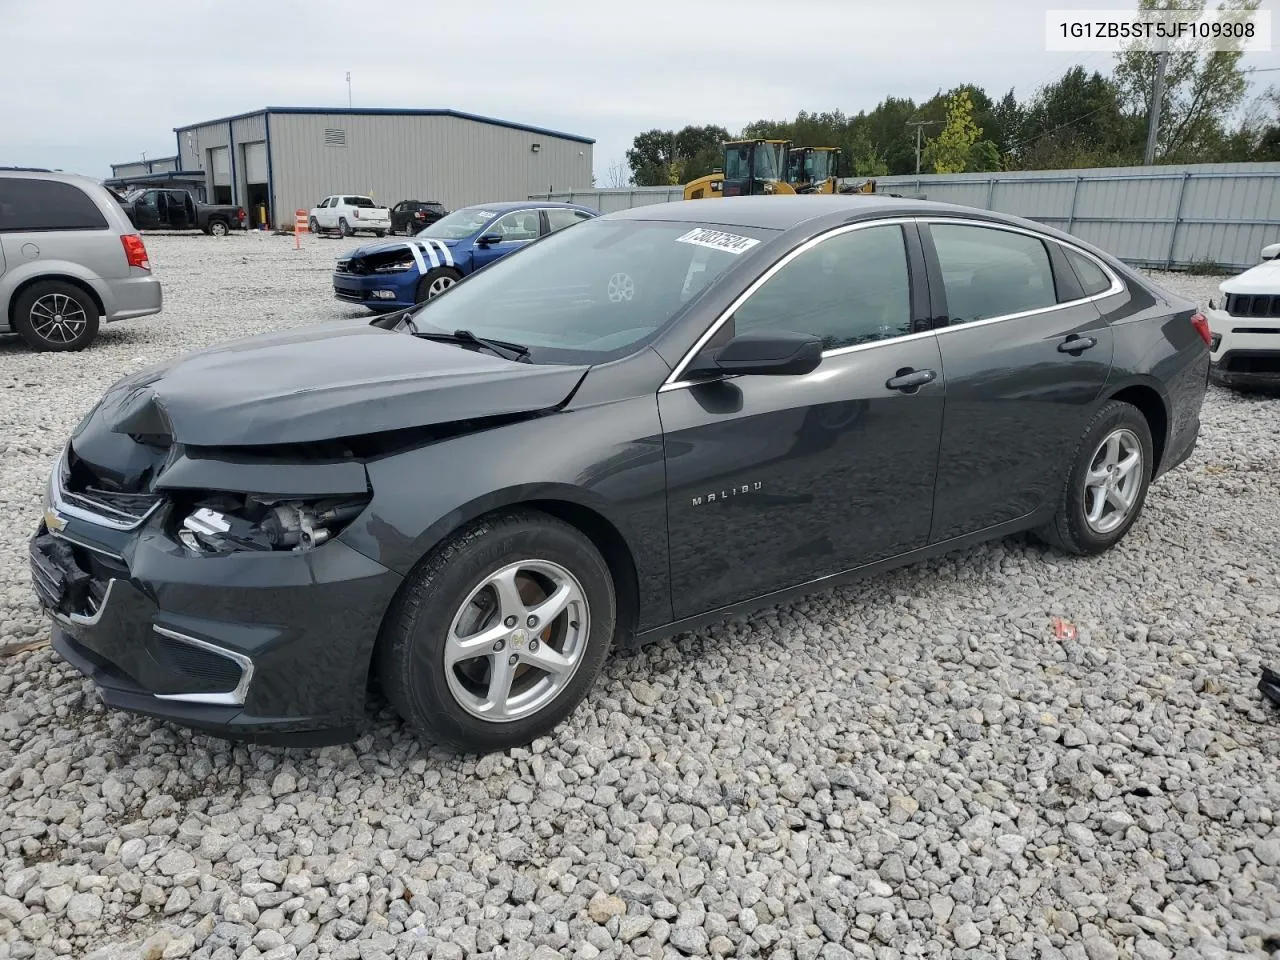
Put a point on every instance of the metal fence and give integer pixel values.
(1167, 217)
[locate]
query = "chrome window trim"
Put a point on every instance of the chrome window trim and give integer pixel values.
(673, 381)
(70, 510)
(231, 698)
(1117, 286)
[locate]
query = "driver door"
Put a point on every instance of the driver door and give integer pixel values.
(517, 229)
(773, 481)
(146, 210)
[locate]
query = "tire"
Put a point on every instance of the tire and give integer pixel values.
(379, 234)
(439, 278)
(54, 316)
(218, 228)
(314, 226)
(345, 227)
(1072, 529)
(444, 597)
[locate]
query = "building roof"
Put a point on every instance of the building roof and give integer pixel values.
(390, 112)
(144, 163)
(159, 176)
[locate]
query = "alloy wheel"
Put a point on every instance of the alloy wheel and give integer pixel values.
(439, 285)
(517, 640)
(1113, 481)
(57, 318)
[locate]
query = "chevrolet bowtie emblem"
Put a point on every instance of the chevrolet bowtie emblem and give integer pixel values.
(54, 520)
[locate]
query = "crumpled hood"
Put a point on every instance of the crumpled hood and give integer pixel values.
(320, 383)
(385, 245)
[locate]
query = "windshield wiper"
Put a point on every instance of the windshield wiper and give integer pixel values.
(504, 348)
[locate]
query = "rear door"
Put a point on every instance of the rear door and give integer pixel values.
(1026, 355)
(560, 217)
(777, 480)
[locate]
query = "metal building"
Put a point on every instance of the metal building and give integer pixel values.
(158, 172)
(281, 159)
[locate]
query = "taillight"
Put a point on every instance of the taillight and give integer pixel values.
(419, 215)
(240, 214)
(1201, 323)
(135, 251)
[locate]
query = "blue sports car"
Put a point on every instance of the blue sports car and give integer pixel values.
(394, 274)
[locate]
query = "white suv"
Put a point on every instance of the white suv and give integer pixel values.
(1244, 324)
(350, 214)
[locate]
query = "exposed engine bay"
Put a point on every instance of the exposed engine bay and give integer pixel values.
(225, 523)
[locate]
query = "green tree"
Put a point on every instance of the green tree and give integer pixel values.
(1078, 120)
(1201, 89)
(950, 150)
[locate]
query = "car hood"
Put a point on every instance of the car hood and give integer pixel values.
(344, 379)
(383, 246)
(1264, 278)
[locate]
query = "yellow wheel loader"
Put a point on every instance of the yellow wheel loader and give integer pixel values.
(751, 167)
(814, 169)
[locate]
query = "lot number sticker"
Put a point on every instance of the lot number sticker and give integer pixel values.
(716, 240)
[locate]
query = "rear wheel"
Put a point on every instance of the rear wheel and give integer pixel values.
(1107, 487)
(499, 634)
(218, 228)
(436, 282)
(56, 316)
(345, 227)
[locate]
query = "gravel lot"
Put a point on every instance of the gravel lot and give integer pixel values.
(912, 766)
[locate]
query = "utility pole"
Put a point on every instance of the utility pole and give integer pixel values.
(348, 88)
(920, 125)
(1153, 110)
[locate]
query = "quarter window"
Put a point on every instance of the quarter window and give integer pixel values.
(992, 273)
(1093, 279)
(851, 288)
(29, 205)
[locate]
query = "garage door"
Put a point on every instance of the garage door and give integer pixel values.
(220, 162)
(255, 162)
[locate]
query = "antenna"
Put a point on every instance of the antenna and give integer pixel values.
(348, 88)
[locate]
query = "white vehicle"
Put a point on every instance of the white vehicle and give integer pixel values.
(1244, 323)
(350, 214)
(1271, 251)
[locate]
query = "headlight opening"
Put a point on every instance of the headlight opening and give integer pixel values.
(222, 524)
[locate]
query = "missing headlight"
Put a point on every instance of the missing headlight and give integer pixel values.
(225, 524)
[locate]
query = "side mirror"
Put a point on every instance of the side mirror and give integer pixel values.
(489, 238)
(777, 353)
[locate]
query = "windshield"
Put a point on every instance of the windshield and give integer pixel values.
(460, 224)
(817, 165)
(593, 293)
(768, 165)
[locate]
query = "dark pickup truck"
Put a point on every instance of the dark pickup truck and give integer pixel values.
(155, 209)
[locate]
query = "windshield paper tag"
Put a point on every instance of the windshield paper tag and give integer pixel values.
(716, 240)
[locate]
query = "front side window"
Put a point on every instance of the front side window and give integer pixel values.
(988, 272)
(28, 205)
(593, 293)
(850, 289)
(520, 225)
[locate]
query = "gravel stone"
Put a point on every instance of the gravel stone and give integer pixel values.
(883, 770)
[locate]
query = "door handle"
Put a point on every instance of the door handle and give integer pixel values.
(1076, 344)
(909, 381)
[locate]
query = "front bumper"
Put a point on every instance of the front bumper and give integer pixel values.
(1246, 350)
(271, 647)
(362, 289)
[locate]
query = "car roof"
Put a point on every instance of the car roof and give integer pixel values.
(505, 206)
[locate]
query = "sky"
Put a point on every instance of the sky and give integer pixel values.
(88, 83)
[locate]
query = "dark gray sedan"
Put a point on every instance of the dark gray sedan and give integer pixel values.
(626, 429)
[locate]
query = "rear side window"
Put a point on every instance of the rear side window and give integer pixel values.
(561, 217)
(41, 205)
(359, 202)
(1093, 279)
(992, 273)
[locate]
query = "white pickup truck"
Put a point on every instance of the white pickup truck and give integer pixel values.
(350, 214)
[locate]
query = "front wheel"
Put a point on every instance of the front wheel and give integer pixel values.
(499, 634)
(314, 226)
(436, 282)
(217, 228)
(379, 234)
(1105, 491)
